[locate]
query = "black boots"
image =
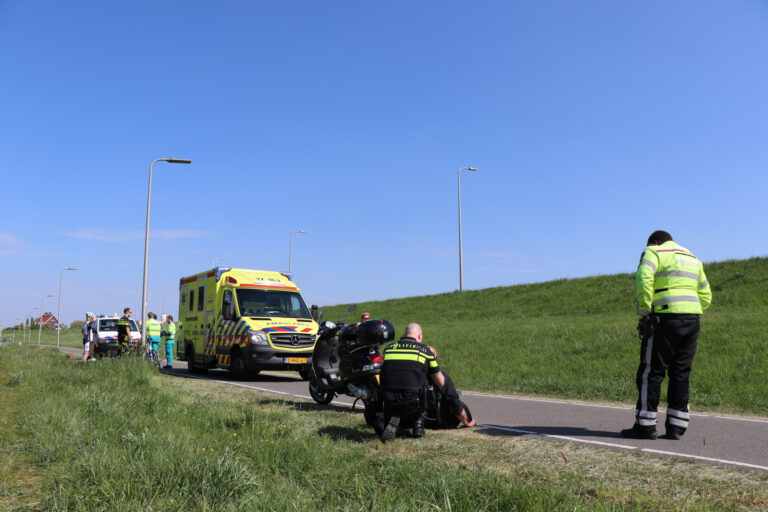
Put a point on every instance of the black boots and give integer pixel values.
(390, 431)
(673, 432)
(418, 427)
(640, 432)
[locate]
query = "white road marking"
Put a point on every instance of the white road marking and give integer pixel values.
(604, 406)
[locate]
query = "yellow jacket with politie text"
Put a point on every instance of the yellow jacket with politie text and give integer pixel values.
(670, 279)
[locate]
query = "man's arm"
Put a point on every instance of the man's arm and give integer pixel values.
(438, 379)
(644, 278)
(704, 290)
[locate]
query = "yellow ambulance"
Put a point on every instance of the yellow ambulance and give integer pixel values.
(245, 321)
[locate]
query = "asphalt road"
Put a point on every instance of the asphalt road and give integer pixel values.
(712, 438)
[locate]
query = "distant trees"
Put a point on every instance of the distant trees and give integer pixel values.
(77, 324)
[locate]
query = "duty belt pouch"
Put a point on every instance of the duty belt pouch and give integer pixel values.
(650, 326)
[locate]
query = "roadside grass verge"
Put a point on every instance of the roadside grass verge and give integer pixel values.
(116, 435)
(575, 338)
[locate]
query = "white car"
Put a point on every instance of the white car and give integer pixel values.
(106, 335)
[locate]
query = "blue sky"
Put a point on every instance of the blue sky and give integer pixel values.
(592, 123)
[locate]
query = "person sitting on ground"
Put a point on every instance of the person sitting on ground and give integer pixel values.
(452, 399)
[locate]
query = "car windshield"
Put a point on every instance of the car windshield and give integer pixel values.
(110, 324)
(272, 303)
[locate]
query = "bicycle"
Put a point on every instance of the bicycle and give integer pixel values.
(145, 350)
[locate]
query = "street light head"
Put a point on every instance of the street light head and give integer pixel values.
(179, 161)
(471, 168)
(301, 231)
(49, 295)
(70, 268)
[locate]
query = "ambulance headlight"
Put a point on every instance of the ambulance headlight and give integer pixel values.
(259, 338)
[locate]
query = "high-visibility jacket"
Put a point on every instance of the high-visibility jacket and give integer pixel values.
(670, 279)
(153, 328)
(170, 328)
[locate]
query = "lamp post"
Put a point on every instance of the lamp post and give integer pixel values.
(58, 309)
(31, 319)
(461, 264)
(40, 324)
(213, 263)
(146, 243)
(15, 328)
(290, 248)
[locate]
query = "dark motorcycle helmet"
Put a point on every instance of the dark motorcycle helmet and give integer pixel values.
(375, 332)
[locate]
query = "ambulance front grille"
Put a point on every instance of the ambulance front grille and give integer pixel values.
(291, 339)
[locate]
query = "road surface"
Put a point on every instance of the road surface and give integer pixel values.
(712, 438)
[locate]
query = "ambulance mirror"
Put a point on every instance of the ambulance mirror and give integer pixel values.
(314, 312)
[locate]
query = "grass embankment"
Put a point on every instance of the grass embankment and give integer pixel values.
(72, 338)
(116, 435)
(575, 338)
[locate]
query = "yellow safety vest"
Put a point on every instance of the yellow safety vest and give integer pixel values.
(670, 279)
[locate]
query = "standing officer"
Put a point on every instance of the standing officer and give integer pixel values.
(124, 331)
(403, 376)
(671, 291)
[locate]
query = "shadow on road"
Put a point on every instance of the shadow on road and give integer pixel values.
(525, 430)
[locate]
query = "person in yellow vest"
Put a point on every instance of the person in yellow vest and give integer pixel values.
(169, 334)
(671, 293)
(153, 330)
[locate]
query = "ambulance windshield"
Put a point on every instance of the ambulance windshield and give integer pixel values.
(271, 303)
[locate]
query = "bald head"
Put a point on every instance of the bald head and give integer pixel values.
(413, 330)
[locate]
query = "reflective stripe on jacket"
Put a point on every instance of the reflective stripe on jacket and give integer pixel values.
(670, 279)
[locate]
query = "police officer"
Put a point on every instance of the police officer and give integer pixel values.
(153, 330)
(124, 331)
(403, 377)
(671, 293)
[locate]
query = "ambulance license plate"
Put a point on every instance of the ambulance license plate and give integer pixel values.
(295, 360)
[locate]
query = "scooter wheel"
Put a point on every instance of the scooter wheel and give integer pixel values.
(318, 395)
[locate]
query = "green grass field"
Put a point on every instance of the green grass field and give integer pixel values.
(576, 338)
(116, 435)
(72, 338)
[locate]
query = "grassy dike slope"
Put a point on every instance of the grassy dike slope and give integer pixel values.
(575, 338)
(116, 435)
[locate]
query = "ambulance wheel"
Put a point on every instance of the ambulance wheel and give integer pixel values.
(191, 366)
(237, 366)
(319, 396)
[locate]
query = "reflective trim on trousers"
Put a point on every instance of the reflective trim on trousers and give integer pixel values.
(677, 422)
(645, 418)
(644, 384)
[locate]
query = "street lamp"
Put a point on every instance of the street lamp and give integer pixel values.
(213, 263)
(290, 248)
(461, 265)
(31, 318)
(58, 310)
(146, 243)
(40, 324)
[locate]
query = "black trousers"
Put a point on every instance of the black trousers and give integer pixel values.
(670, 350)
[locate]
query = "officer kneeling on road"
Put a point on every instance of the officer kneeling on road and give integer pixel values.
(407, 363)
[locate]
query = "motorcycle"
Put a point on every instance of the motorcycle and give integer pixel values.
(347, 361)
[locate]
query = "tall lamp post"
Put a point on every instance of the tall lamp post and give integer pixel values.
(290, 248)
(58, 309)
(213, 263)
(461, 263)
(40, 324)
(146, 243)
